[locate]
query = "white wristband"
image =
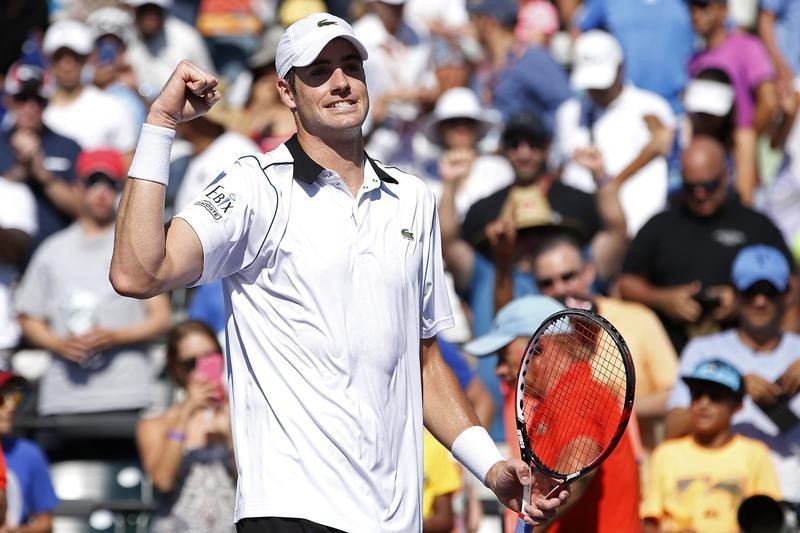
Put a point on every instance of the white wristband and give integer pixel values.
(476, 450)
(151, 160)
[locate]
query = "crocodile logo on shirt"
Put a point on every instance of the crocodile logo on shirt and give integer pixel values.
(325, 22)
(408, 235)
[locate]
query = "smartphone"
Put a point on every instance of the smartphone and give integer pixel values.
(211, 367)
(107, 52)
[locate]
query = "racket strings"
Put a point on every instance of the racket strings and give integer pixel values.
(573, 394)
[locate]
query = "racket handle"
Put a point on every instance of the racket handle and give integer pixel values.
(526, 498)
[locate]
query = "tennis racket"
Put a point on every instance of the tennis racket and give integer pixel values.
(574, 396)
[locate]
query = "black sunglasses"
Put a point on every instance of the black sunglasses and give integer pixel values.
(716, 394)
(514, 142)
(707, 186)
(546, 283)
(100, 178)
(763, 288)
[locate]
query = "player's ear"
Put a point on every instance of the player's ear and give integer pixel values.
(286, 94)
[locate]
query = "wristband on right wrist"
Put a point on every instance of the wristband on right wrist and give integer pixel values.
(151, 159)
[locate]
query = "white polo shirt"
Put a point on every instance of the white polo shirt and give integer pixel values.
(327, 298)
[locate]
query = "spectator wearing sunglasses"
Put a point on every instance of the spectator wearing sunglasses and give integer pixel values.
(66, 305)
(699, 480)
(33, 154)
(768, 358)
(31, 495)
(679, 263)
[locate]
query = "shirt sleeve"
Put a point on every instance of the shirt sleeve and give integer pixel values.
(765, 477)
(232, 218)
(642, 250)
(31, 295)
(759, 65)
(436, 314)
(662, 361)
(44, 497)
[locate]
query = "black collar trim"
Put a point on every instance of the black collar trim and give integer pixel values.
(307, 170)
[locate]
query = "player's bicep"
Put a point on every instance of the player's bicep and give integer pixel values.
(183, 262)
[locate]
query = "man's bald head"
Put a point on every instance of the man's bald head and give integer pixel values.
(705, 175)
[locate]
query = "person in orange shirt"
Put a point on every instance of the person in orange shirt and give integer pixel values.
(604, 501)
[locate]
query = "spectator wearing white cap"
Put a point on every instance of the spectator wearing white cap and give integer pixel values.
(332, 278)
(160, 42)
(76, 110)
(459, 134)
(614, 131)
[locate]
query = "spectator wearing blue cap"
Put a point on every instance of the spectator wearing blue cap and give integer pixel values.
(768, 358)
(698, 481)
(603, 502)
(515, 77)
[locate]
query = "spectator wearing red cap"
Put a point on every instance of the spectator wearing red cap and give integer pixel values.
(31, 496)
(33, 154)
(98, 339)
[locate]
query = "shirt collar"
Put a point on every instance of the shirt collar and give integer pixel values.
(307, 170)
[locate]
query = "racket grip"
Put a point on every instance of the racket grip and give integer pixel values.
(526, 498)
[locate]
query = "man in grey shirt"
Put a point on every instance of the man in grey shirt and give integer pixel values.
(67, 306)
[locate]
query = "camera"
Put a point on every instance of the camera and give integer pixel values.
(707, 301)
(762, 514)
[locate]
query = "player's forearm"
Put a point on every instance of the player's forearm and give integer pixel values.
(446, 410)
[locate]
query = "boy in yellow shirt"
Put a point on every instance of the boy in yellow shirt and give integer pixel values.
(442, 479)
(697, 482)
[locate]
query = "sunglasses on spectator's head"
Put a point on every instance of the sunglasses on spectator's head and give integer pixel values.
(566, 277)
(716, 394)
(707, 186)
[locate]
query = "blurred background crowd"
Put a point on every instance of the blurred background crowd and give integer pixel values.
(637, 157)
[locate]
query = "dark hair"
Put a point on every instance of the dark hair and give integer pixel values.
(180, 332)
(291, 79)
(555, 240)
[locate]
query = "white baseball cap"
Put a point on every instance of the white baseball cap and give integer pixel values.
(595, 60)
(70, 34)
(708, 96)
(303, 41)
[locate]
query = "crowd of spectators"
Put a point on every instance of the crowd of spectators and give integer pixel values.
(635, 158)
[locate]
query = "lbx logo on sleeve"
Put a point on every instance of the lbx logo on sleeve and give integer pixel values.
(218, 201)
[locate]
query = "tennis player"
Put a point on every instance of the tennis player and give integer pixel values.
(334, 293)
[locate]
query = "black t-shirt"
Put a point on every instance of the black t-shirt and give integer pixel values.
(575, 209)
(675, 247)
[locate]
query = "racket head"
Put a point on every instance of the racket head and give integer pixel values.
(574, 395)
